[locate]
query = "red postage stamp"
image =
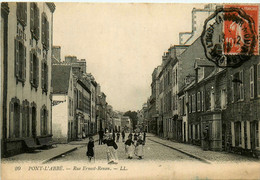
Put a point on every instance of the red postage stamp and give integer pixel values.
(241, 29)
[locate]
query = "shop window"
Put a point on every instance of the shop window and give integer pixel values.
(238, 134)
(257, 134)
(21, 13)
(34, 69)
(20, 60)
(34, 21)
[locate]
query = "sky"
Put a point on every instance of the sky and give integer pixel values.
(122, 43)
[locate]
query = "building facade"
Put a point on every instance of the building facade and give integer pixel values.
(27, 64)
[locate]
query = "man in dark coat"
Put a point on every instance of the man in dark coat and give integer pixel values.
(101, 136)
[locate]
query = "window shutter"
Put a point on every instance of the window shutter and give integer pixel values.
(42, 75)
(31, 67)
(46, 122)
(242, 84)
(37, 71)
(47, 35)
(25, 13)
(43, 29)
(232, 89)
(24, 63)
(31, 17)
(46, 78)
(41, 123)
(37, 33)
(11, 119)
(16, 56)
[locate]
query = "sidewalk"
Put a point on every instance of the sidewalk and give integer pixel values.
(198, 153)
(45, 155)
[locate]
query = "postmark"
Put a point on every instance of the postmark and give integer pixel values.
(230, 35)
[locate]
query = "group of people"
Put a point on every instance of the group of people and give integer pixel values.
(133, 145)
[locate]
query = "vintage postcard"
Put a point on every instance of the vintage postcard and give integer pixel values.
(130, 90)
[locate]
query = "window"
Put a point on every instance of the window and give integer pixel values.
(45, 32)
(44, 120)
(202, 101)
(238, 88)
(44, 76)
(69, 106)
(16, 120)
(198, 102)
(173, 78)
(238, 138)
(232, 89)
(257, 134)
(34, 21)
(196, 131)
(26, 120)
(21, 13)
(189, 101)
(212, 100)
(223, 99)
(34, 69)
(258, 80)
(193, 102)
(252, 82)
(20, 60)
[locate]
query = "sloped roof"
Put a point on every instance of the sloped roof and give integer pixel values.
(204, 63)
(60, 78)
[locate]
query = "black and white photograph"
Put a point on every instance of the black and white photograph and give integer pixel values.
(108, 90)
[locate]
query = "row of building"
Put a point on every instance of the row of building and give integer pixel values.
(42, 96)
(190, 94)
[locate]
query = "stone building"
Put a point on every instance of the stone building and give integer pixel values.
(26, 37)
(63, 122)
(243, 107)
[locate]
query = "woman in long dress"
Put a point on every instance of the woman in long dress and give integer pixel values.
(139, 147)
(111, 150)
(129, 147)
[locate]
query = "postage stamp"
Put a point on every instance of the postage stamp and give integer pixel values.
(230, 35)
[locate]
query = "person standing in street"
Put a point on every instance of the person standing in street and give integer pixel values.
(139, 147)
(123, 136)
(101, 136)
(111, 150)
(114, 135)
(90, 149)
(129, 147)
(117, 136)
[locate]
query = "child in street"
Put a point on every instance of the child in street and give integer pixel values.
(129, 147)
(90, 150)
(139, 147)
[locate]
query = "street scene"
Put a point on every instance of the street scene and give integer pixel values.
(130, 83)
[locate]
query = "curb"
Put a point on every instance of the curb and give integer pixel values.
(54, 157)
(184, 152)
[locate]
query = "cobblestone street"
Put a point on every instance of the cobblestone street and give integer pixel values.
(152, 151)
